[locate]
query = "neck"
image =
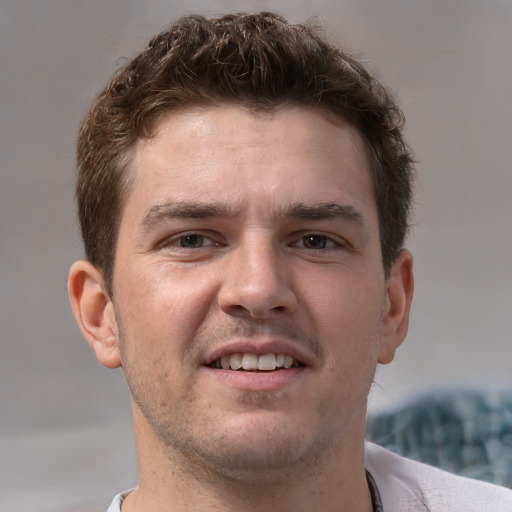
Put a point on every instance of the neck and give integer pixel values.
(171, 482)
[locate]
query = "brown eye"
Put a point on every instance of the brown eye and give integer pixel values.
(315, 241)
(192, 241)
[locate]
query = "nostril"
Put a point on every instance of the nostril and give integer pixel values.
(255, 311)
(239, 309)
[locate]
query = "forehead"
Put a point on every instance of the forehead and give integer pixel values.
(229, 154)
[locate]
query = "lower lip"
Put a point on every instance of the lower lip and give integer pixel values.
(257, 381)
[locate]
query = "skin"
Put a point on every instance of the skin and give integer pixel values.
(255, 233)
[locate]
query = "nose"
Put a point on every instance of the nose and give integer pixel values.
(256, 282)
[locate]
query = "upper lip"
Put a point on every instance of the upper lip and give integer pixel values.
(261, 346)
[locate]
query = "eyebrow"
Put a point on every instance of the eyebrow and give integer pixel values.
(323, 211)
(197, 210)
(186, 210)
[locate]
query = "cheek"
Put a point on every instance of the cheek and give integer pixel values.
(158, 317)
(164, 301)
(348, 322)
(345, 306)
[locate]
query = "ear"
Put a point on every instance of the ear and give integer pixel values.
(94, 312)
(399, 292)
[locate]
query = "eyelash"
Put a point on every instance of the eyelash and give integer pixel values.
(326, 242)
(176, 241)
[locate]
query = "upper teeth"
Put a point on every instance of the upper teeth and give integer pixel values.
(254, 362)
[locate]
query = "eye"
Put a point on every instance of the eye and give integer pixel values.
(315, 241)
(193, 241)
(188, 241)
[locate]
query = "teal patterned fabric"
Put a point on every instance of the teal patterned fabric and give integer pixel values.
(468, 433)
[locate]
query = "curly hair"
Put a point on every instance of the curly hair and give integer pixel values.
(259, 62)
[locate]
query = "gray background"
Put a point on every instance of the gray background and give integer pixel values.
(65, 433)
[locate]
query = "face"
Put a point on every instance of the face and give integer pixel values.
(248, 286)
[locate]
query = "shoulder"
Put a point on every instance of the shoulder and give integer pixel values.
(406, 485)
(115, 506)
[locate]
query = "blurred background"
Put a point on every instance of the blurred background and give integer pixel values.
(66, 439)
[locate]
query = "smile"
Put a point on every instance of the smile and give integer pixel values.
(254, 362)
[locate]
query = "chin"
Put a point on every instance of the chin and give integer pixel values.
(252, 448)
(251, 462)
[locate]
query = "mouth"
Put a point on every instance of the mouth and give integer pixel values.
(250, 362)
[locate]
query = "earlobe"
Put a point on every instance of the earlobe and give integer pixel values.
(94, 312)
(399, 293)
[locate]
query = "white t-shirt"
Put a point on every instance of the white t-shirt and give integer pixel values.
(408, 486)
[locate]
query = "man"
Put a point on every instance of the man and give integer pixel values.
(244, 193)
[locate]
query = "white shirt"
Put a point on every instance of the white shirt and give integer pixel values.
(408, 486)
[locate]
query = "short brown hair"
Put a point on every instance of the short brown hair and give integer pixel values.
(258, 61)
